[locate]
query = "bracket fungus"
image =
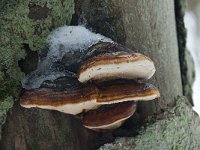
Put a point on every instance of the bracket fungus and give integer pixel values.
(73, 102)
(105, 103)
(108, 61)
(109, 118)
(90, 96)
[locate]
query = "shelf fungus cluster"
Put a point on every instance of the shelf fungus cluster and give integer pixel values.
(105, 91)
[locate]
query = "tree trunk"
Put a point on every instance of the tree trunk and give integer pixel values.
(146, 26)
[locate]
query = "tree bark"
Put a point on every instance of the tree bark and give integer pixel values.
(146, 26)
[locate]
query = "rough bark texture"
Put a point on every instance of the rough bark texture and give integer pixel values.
(146, 26)
(41, 129)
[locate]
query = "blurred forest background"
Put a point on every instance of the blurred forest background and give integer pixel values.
(192, 23)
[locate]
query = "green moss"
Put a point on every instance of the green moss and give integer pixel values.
(5, 105)
(25, 23)
(180, 130)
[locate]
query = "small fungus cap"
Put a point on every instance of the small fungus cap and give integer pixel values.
(109, 118)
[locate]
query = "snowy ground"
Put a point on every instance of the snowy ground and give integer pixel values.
(193, 45)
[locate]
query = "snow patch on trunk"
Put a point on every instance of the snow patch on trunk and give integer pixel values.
(61, 41)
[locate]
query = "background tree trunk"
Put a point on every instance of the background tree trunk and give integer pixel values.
(146, 26)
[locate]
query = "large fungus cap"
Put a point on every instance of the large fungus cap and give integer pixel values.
(109, 118)
(114, 61)
(63, 94)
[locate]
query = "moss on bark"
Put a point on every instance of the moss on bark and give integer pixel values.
(179, 130)
(25, 24)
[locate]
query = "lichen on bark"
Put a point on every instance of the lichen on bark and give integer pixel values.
(24, 25)
(179, 130)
